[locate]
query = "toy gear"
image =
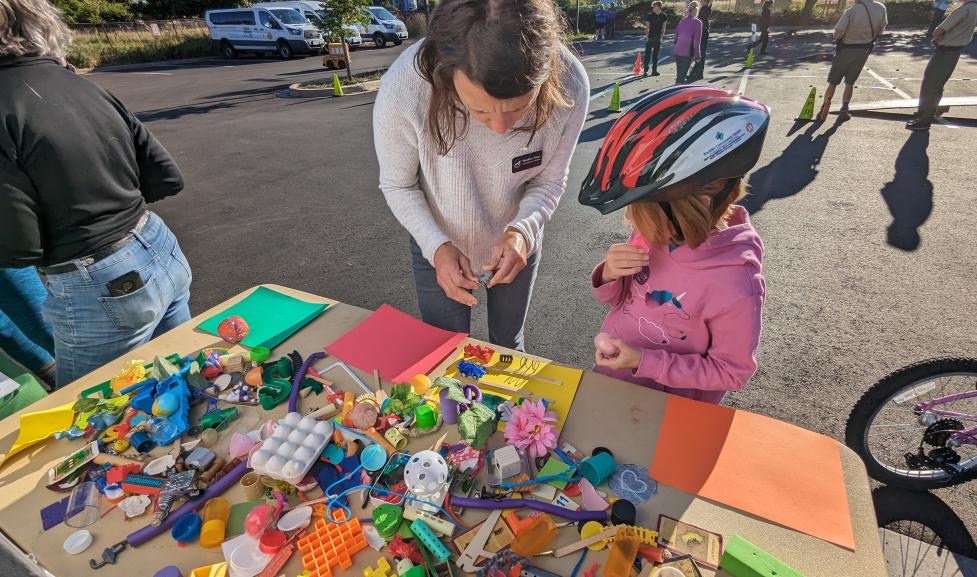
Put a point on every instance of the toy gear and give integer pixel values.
(673, 141)
(939, 432)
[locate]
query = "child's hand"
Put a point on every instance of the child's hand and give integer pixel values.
(623, 260)
(627, 357)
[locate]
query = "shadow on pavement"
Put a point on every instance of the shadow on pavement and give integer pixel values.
(792, 171)
(909, 195)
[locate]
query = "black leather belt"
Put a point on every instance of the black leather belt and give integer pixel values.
(91, 259)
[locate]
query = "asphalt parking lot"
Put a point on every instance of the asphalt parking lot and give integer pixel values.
(867, 227)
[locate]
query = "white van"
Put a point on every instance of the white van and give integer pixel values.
(311, 9)
(261, 30)
(384, 27)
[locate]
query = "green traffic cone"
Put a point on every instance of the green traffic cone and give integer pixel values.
(807, 113)
(749, 59)
(337, 88)
(615, 99)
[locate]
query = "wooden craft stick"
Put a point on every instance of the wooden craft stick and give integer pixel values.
(606, 534)
(524, 375)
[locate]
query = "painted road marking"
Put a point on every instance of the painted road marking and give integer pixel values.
(905, 96)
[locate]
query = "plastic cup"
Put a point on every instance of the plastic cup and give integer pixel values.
(215, 521)
(598, 468)
(425, 417)
(84, 506)
(253, 487)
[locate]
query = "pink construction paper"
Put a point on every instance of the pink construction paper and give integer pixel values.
(395, 344)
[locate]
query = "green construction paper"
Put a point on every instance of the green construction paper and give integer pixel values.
(236, 516)
(272, 317)
(554, 467)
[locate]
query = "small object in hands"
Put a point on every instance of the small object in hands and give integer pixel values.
(233, 329)
(530, 427)
(607, 349)
(471, 370)
(486, 277)
(479, 352)
(77, 542)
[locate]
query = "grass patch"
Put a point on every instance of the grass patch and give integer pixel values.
(91, 48)
(357, 79)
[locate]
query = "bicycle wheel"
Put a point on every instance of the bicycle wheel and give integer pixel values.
(924, 517)
(911, 448)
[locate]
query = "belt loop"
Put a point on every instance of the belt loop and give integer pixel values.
(138, 236)
(139, 228)
(83, 269)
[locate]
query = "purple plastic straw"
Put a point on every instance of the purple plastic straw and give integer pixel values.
(293, 397)
(223, 484)
(492, 505)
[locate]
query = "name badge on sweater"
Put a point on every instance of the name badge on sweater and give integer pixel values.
(527, 161)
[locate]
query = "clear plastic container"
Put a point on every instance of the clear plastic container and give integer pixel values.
(215, 514)
(84, 505)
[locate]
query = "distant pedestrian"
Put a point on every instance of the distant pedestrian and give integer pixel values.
(855, 35)
(766, 18)
(611, 19)
(657, 22)
(688, 42)
(698, 71)
(939, 13)
(949, 37)
(76, 172)
(600, 22)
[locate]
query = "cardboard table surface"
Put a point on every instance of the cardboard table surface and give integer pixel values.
(606, 412)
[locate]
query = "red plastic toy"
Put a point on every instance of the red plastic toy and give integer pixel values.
(592, 572)
(233, 329)
(401, 549)
(479, 352)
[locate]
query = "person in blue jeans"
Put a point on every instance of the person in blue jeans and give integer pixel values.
(23, 333)
(77, 170)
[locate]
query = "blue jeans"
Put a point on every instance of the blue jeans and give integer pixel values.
(92, 327)
(507, 303)
(23, 333)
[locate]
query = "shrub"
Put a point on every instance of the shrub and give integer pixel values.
(101, 47)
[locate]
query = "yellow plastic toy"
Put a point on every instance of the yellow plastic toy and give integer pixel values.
(39, 426)
(382, 569)
(215, 570)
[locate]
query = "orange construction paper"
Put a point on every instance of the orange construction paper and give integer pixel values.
(756, 464)
(395, 344)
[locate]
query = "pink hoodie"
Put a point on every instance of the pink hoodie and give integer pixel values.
(702, 340)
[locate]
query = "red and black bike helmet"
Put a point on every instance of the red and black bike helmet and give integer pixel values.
(682, 135)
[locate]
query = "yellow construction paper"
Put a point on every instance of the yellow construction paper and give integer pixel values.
(561, 395)
(39, 426)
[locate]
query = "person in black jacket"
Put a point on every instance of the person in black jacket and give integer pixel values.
(766, 18)
(76, 172)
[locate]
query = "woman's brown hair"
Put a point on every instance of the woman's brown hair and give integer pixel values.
(509, 47)
(697, 214)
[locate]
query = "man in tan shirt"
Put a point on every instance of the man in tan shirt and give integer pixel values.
(949, 37)
(855, 35)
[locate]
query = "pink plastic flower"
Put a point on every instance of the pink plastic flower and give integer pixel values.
(529, 428)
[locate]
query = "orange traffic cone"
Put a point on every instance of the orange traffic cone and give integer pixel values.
(637, 64)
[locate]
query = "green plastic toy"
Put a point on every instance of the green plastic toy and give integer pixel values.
(744, 559)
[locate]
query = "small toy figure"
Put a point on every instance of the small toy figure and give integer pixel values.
(471, 370)
(479, 352)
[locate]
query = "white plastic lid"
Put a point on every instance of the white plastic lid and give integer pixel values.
(77, 542)
(298, 518)
(247, 560)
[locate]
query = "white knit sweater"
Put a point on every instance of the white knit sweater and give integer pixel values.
(470, 195)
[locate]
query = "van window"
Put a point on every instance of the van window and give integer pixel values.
(381, 13)
(268, 22)
(289, 16)
(240, 17)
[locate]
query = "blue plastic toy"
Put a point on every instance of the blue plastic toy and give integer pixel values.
(471, 370)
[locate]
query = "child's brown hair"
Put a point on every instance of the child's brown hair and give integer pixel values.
(696, 214)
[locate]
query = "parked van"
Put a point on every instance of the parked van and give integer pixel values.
(261, 30)
(311, 9)
(384, 27)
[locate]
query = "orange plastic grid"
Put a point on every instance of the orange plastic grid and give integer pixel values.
(331, 544)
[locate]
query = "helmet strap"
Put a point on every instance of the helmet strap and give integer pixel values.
(720, 198)
(667, 208)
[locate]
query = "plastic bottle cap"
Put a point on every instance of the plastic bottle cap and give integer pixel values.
(260, 354)
(590, 529)
(271, 542)
(77, 542)
(623, 512)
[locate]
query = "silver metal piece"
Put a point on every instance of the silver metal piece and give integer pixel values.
(349, 372)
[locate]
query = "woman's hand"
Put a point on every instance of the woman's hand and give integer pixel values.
(623, 260)
(627, 357)
(509, 257)
(455, 274)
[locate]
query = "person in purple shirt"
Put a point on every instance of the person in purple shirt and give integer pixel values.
(688, 39)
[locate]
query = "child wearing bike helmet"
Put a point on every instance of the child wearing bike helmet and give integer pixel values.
(686, 290)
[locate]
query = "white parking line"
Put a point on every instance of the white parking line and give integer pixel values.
(155, 73)
(905, 96)
(742, 89)
(624, 80)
